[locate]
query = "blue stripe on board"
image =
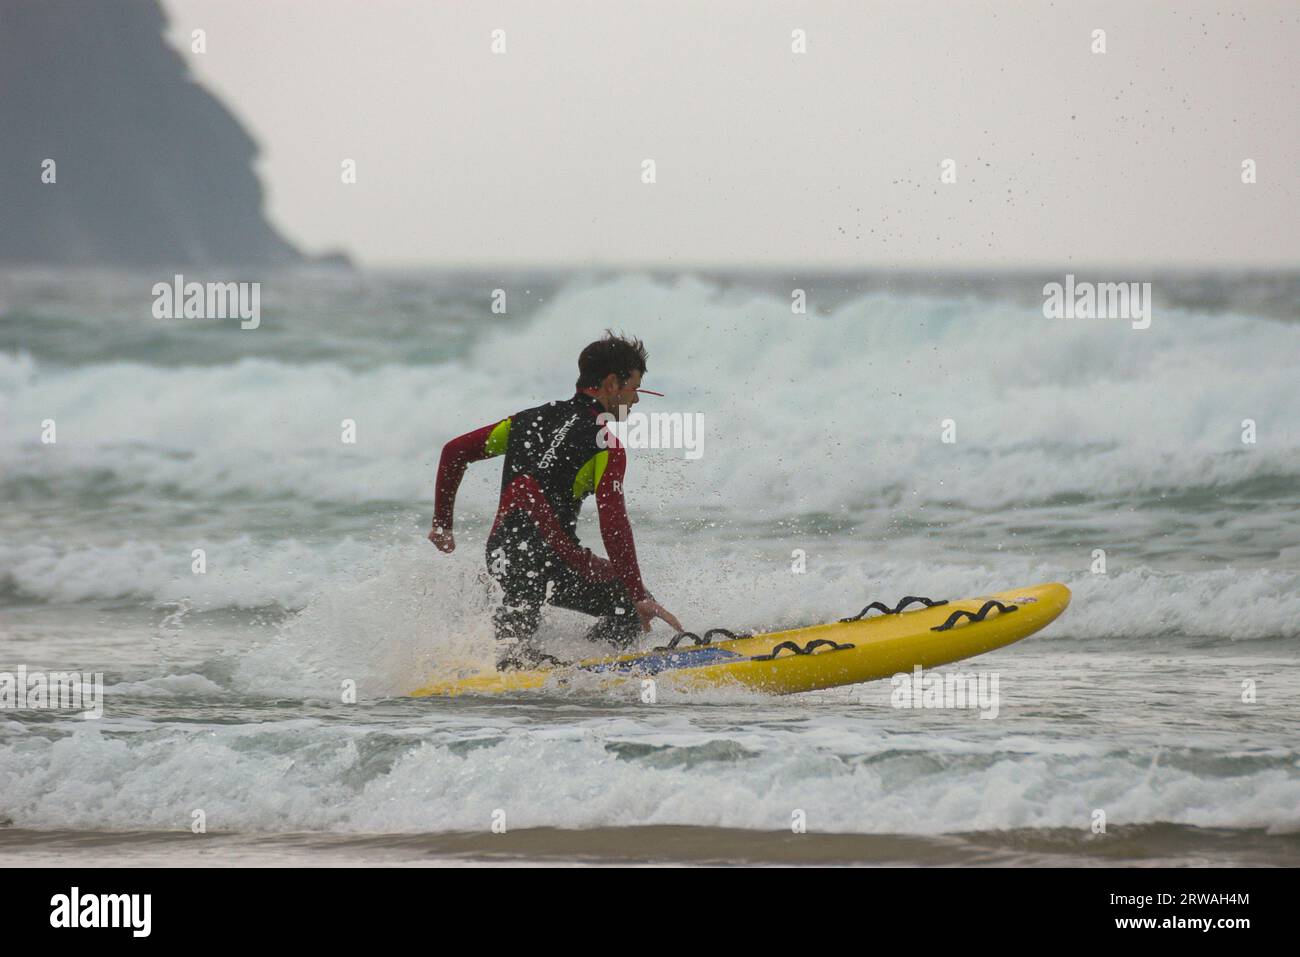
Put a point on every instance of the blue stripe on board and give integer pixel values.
(667, 661)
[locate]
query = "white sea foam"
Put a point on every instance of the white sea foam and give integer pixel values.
(389, 610)
(301, 775)
(241, 573)
(855, 398)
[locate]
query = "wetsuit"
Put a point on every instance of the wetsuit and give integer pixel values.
(555, 456)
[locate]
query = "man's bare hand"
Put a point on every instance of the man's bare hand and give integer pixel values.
(443, 538)
(649, 610)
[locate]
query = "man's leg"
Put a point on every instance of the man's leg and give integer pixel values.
(512, 559)
(523, 565)
(609, 601)
(619, 630)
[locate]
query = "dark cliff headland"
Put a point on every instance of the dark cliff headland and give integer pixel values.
(151, 169)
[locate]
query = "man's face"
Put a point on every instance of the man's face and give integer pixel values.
(619, 399)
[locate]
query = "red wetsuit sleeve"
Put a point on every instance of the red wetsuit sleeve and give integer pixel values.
(615, 529)
(456, 455)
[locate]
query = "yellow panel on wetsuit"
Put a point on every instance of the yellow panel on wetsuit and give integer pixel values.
(588, 477)
(498, 439)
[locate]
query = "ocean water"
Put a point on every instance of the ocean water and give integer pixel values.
(1167, 697)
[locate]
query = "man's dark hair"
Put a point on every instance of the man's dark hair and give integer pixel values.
(617, 354)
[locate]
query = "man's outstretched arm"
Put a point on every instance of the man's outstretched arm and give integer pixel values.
(474, 446)
(616, 532)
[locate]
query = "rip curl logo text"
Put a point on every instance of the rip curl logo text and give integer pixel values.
(102, 910)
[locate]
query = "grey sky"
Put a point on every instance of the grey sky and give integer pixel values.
(764, 157)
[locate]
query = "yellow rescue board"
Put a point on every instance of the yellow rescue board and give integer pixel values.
(873, 647)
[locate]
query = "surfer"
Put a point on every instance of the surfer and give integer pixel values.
(555, 456)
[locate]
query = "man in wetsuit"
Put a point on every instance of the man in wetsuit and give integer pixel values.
(555, 456)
